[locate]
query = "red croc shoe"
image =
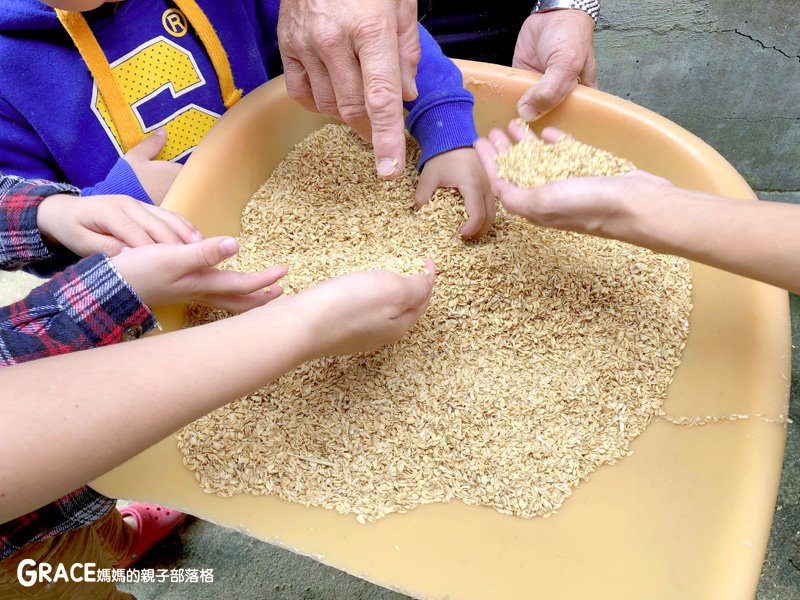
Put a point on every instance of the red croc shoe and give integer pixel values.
(155, 523)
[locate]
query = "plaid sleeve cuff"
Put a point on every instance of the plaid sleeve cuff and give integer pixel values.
(20, 240)
(97, 298)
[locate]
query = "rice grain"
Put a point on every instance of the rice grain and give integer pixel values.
(542, 355)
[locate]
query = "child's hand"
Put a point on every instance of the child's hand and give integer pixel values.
(91, 224)
(461, 169)
(156, 176)
(164, 274)
(361, 311)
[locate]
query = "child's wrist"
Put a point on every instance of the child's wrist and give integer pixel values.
(292, 322)
(47, 215)
(639, 219)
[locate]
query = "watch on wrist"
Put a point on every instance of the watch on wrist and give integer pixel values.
(591, 7)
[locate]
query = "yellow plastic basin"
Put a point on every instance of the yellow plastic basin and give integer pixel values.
(686, 516)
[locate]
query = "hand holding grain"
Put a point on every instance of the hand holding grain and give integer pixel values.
(597, 205)
(460, 169)
(363, 311)
(526, 337)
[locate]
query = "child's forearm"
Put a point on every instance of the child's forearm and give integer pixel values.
(137, 394)
(758, 240)
(441, 117)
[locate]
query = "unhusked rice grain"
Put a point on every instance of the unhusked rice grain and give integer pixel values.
(533, 162)
(542, 355)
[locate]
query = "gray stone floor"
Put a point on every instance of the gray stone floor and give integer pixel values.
(780, 578)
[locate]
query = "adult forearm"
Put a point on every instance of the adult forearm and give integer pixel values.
(125, 398)
(756, 239)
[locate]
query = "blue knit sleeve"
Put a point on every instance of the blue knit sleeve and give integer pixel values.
(121, 179)
(440, 119)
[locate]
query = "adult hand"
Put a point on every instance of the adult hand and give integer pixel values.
(601, 206)
(90, 224)
(559, 44)
(164, 274)
(362, 311)
(357, 60)
(156, 176)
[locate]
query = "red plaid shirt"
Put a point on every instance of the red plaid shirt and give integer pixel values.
(87, 305)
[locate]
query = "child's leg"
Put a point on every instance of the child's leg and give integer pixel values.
(103, 543)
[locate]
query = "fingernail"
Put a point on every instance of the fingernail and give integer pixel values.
(520, 122)
(228, 245)
(197, 236)
(387, 166)
(414, 90)
(160, 132)
(527, 112)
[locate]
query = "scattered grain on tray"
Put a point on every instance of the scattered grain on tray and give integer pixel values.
(543, 353)
(493, 87)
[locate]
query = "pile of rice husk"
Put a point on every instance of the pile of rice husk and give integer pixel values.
(542, 356)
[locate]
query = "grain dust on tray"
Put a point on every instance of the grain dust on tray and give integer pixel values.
(543, 353)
